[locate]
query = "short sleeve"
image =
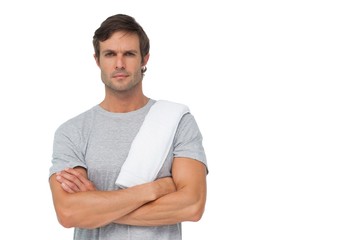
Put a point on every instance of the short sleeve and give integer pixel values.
(188, 140)
(66, 149)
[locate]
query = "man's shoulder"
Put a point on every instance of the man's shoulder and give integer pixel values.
(79, 121)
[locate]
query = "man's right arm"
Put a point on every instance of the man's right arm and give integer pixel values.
(92, 209)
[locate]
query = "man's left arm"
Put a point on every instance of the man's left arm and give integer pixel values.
(186, 204)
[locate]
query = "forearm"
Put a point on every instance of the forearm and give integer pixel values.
(98, 208)
(92, 209)
(173, 208)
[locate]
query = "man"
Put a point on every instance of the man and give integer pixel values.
(90, 149)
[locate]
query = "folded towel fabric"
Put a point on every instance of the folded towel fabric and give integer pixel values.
(152, 144)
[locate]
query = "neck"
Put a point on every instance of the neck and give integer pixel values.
(122, 102)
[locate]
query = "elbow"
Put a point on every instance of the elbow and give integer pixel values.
(65, 223)
(196, 211)
(197, 214)
(69, 219)
(195, 207)
(65, 219)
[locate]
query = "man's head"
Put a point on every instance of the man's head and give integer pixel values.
(121, 52)
(123, 23)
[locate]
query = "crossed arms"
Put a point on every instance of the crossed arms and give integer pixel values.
(164, 201)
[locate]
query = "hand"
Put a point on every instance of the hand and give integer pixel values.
(74, 180)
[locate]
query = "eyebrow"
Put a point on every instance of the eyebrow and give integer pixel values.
(113, 51)
(108, 51)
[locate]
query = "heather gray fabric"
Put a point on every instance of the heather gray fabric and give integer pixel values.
(100, 141)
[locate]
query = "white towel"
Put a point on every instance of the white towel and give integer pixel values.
(152, 144)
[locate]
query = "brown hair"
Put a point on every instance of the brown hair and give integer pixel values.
(121, 22)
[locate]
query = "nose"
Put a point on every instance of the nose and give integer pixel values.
(120, 63)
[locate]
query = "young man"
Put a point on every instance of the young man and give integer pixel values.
(90, 149)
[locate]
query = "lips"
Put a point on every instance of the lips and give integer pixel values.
(120, 75)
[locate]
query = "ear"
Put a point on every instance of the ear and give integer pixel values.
(96, 60)
(146, 59)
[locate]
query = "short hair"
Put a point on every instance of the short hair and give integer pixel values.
(120, 22)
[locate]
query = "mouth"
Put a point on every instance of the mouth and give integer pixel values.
(120, 75)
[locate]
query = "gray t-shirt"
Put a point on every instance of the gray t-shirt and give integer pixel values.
(99, 141)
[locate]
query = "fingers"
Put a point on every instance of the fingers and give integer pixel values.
(84, 183)
(67, 182)
(73, 181)
(74, 177)
(67, 188)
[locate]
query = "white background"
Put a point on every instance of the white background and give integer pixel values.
(274, 86)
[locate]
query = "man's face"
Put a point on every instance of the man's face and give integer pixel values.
(120, 61)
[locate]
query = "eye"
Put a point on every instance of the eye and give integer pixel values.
(129, 54)
(109, 54)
